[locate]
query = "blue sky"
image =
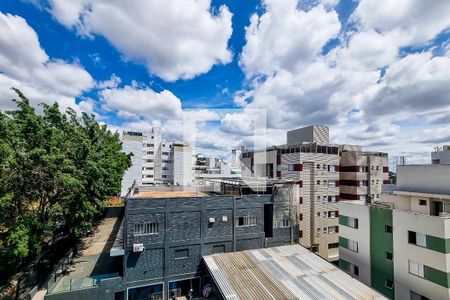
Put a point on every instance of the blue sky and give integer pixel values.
(376, 72)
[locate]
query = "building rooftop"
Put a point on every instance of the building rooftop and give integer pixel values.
(286, 272)
(168, 194)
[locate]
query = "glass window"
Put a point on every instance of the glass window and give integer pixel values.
(388, 255)
(423, 202)
(246, 221)
(416, 269)
(353, 245)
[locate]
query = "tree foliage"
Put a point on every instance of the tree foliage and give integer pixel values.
(56, 171)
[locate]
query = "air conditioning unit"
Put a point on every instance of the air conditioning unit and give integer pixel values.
(138, 247)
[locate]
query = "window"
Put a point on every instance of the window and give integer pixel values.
(332, 168)
(416, 238)
(318, 214)
(286, 222)
(290, 167)
(146, 228)
(416, 269)
(246, 221)
(332, 183)
(324, 167)
(165, 153)
(352, 222)
(378, 168)
(388, 255)
(150, 152)
(333, 214)
(332, 199)
(415, 296)
(149, 160)
(388, 228)
(318, 231)
(389, 284)
(318, 198)
(181, 253)
(150, 145)
(318, 166)
(373, 168)
(318, 182)
(363, 197)
(333, 245)
(423, 202)
(353, 246)
(332, 229)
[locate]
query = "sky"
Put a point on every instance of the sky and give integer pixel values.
(376, 71)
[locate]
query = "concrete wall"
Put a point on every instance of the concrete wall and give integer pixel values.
(361, 235)
(431, 179)
(132, 144)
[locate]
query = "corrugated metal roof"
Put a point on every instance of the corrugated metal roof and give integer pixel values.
(287, 272)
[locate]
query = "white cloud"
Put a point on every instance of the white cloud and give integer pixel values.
(286, 37)
(174, 39)
(134, 101)
(25, 65)
(365, 87)
(416, 84)
(416, 21)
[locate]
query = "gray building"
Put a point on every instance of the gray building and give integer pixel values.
(441, 157)
(161, 242)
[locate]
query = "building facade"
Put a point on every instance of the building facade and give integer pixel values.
(362, 174)
(441, 156)
(326, 173)
(165, 239)
(155, 161)
(400, 245)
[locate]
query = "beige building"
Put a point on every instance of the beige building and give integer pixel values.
(362, 173)
(326, 173)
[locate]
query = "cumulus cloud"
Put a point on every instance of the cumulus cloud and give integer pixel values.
(25, 65)
(416, 21)
(415, 84)
(286, 37)
(174, 39)
(134, 101)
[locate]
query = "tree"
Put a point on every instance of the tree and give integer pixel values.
(56, 169)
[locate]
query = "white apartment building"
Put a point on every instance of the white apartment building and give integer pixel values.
(400, 245)
(155, 161)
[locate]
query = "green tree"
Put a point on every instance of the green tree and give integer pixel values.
(56, 169)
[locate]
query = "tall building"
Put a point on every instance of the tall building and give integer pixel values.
(326, 174)
(362, 173)
(155, 161)
(400, 244)
(441, 156)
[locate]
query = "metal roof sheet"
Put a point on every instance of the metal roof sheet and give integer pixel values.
(286, 272)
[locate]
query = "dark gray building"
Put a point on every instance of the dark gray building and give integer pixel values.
(166, 238)
(162, 242)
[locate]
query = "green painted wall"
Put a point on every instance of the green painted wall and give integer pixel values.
(438, 244)
(343, 220)
(380, 242)
(344, 265)
(437, 276)
(343, 242)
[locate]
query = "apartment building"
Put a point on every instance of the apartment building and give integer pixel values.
(316, 169)
(362, 173)
(155, 161)
(441, 156)
(400, 245)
